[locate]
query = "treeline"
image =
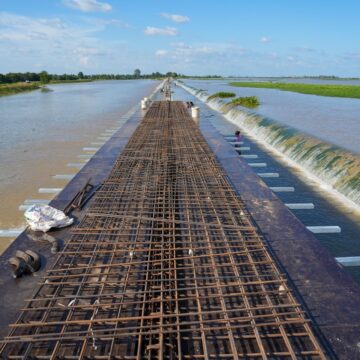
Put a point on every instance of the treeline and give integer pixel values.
(17, 77)
(200, 76)
(331, 77)
(45, 77)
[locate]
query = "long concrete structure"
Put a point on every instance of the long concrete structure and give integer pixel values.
(242, 314)
(166, 263)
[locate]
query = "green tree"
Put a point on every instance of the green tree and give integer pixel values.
(80, 75)
(137, 74)
(44, 77)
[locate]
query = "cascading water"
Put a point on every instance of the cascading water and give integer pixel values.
(330, 164)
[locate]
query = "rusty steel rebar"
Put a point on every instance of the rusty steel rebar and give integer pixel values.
(165, 264)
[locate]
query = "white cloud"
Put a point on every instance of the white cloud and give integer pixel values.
(88, 5)
(21, 28)
(219, 49)
(200, 56)
(204, 57)
(49, 41)
(161, 53)
(351, 56)
(168, 31)
(274, 56)
(305, 49)
(183, 49)
(100, 23)
(84, 60)
(89, 51)
(265, 40)
(308, 51)
(176, 18)
(13, 36)
(293, 60)
(116, 22)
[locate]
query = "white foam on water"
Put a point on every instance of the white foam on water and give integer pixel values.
(350, 200)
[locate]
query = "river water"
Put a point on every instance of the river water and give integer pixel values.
(334, 120)
(40, 132)
(329, 209)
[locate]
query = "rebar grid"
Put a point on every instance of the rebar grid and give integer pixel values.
(166, 264)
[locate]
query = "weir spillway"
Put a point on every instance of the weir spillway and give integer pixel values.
(166, 263)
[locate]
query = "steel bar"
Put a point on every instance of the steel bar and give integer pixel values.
(166, 263)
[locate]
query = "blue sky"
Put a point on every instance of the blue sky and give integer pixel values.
(230, 37)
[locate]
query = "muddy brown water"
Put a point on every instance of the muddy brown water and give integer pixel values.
(40, 133)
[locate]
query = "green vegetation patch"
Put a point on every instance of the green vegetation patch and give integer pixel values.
(247, 101)
(10, 89)
(347, 91)
(222, 95)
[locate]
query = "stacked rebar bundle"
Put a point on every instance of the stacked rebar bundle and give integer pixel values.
(166, 264)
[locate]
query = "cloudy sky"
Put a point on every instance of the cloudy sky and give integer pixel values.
(229, 37)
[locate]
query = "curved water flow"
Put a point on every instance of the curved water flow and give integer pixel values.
(334, 167)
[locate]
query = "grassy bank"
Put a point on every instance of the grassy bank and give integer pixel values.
(19, 87)
(247, 101)
(347, 91)
(11, 89)
(222, 95)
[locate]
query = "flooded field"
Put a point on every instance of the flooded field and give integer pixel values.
(42, 132)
